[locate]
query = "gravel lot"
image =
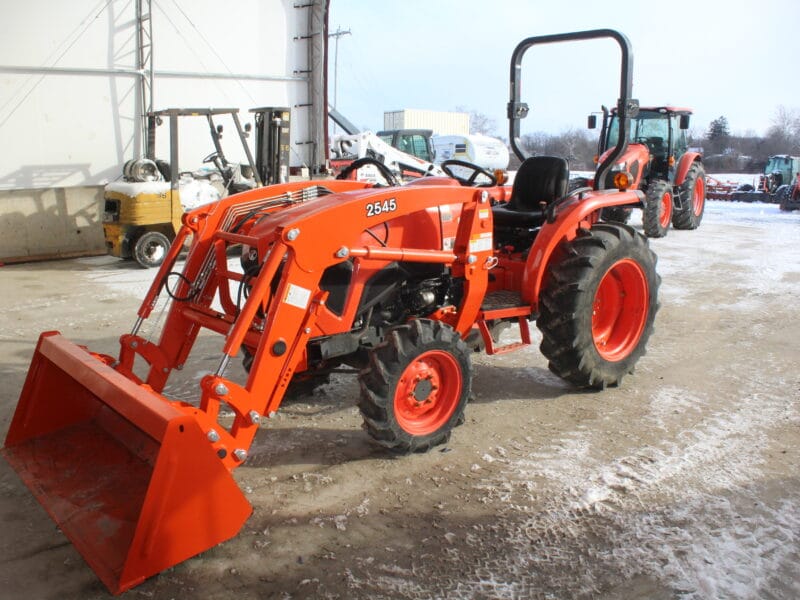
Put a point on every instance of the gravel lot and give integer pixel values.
(681, 483)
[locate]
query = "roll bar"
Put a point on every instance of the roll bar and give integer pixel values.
(626, 107)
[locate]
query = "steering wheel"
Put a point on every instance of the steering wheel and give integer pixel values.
(468, 181)
(211, 158)
(385, 172)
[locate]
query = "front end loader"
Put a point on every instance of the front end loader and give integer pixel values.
(400, 284)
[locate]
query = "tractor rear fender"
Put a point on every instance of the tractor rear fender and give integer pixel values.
(579, 212)
(683, 166)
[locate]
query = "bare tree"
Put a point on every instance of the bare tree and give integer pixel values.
(479, 122)
(785, 129)
(576, 145)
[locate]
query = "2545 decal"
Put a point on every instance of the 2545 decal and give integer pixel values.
(378, 208)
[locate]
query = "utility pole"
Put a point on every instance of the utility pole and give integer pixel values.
(336, 35)
(144, 64)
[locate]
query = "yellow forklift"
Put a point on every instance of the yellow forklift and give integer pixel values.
(142, 212)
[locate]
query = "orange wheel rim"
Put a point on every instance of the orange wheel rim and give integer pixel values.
(699, 197)
(666, 210)
(428, 392)
(620, 310)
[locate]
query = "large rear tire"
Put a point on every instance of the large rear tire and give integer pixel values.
(416, 386)
(598, 305)
(792, 202)
(782, 195)
(657, 209)
(693, 199)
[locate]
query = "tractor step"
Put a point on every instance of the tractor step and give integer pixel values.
(500, 306)
(504, 300)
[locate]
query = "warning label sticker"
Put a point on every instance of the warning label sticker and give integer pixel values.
(480, 243)
(297, 296)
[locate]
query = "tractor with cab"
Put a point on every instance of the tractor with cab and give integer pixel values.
(658, 162)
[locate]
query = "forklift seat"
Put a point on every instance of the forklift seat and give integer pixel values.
(540, 181)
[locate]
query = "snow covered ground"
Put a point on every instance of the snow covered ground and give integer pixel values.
(688, 503)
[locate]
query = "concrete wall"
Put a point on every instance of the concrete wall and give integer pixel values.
(51, 223)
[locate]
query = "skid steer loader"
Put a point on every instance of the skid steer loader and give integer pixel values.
(405, 285)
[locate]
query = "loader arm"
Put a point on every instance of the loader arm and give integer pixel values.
(285, 300)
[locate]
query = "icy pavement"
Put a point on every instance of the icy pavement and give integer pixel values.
(691, 506)
(682, 483)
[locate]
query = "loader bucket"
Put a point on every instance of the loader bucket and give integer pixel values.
(128, 477)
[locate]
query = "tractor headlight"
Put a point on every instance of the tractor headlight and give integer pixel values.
(622, 180)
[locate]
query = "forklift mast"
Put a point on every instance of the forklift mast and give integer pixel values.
(272, 144)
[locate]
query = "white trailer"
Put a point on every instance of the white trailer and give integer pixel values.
(484, 151)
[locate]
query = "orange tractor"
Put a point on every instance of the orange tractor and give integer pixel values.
(658, 162)
(404, 287)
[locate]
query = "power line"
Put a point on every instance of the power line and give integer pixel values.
(88, 23)
(336, 35)
(213, 50)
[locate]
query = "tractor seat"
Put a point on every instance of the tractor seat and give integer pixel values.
(657, 147)
(540, 181)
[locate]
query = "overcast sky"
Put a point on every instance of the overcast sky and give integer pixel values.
(736, 59)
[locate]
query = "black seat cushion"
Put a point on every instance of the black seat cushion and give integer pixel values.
(540, 179)
(505, 217)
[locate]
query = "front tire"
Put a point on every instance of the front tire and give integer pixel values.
(416, 386)
(598, 305)
(783, 194)
(693, 199)
(150, 249)
(793, 201)
(657, 209)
